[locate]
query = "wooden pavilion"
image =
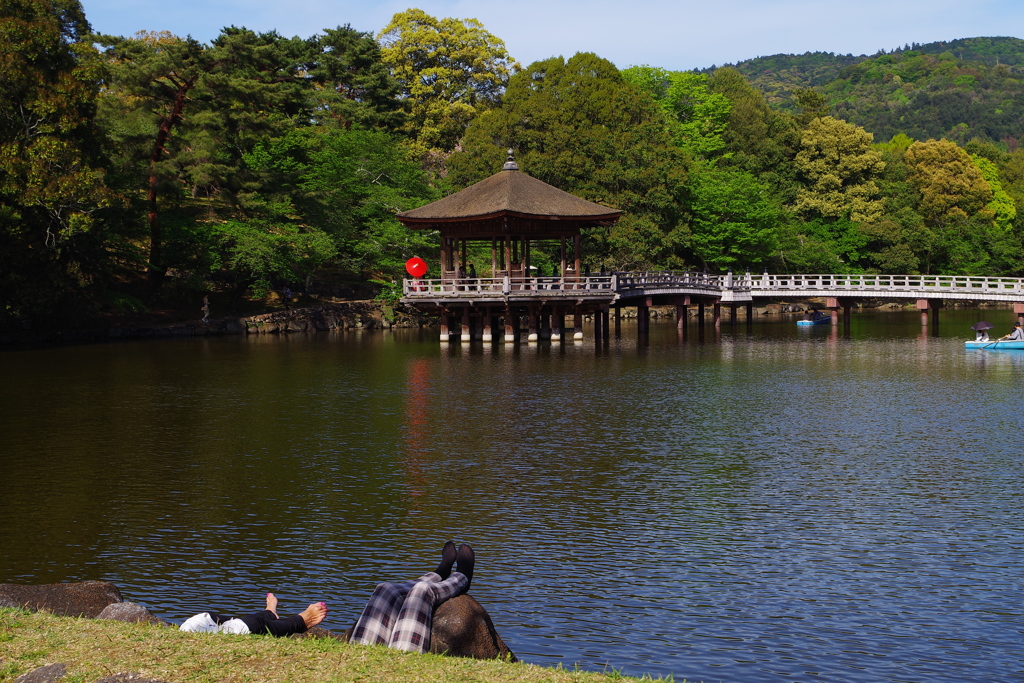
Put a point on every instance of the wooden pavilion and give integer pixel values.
(512, 212)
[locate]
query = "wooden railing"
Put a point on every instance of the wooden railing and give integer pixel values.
(924, 284)
(507, 286)
(728, 286)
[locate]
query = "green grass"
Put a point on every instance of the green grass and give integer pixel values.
(94, 648)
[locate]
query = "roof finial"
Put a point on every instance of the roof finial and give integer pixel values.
(510, 163)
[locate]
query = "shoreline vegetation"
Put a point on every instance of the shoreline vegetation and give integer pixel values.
(93, 649)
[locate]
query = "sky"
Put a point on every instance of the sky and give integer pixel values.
(672, 34)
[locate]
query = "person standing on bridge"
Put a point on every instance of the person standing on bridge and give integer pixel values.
(1016, 335)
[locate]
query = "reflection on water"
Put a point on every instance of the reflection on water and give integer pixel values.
(763, 503)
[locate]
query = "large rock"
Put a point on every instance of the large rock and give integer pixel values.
(463, 628)
(44, 674)
(132, 613)
(85, 599)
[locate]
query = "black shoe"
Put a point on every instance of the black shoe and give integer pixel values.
(465, 559)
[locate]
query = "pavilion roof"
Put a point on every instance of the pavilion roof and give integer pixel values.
(509, 192)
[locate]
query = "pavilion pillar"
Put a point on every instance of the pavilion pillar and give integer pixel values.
(1018, 308)
(716, 312)
(532, 334)
(577, 319)
(576, 258)
(466, 334)
(618, 321)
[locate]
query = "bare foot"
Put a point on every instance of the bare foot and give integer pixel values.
(314, 614)
(272, 603)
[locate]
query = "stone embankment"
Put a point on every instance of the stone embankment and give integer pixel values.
(345, 315)
(461, 626)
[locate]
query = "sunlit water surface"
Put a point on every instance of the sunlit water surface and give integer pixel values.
(774, 504)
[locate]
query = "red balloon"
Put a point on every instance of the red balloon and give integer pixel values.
(416, 266)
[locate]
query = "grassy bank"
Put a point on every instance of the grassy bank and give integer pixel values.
(94, 648)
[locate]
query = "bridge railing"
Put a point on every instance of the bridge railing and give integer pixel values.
(505, 286)
(945, 284)
(668, 279)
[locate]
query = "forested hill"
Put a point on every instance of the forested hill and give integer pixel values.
(960, 89)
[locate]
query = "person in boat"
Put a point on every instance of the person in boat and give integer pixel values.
(1016, 335)
(981, 335)
(265, 622)
(400, 615)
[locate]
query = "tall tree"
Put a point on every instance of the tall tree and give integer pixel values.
(758, 139)
(577, 125)
(839, 168)
(954, 194)
(450, 70)
(353, 85)
(696, 116)
(51, 179)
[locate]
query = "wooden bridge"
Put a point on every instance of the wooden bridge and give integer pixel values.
(545, 301)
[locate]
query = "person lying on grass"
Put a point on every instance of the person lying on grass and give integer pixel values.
(264, 622)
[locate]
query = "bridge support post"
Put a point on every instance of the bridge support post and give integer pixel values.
(511, 326)
(750, 316)
(700, 316)
(487, 335)
(557, 325)
(732, 315)
(1018, 308)
(598, 333)
(681, 313)
(532, 334)
(642, 318)
(444, 327)
(932, 305)
(604, 319)
(716, 311)
(577, 319)
(466, 334)
(618, 321)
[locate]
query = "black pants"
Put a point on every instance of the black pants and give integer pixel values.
(265, 622)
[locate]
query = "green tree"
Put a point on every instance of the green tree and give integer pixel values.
(352, 85)
(734, 219)
(839, 168)
(758, 139)
(578, 126)
(954, 195)
(1002, 207)
(696, 116)
(349, 184)
(450, 70)
(52, 186)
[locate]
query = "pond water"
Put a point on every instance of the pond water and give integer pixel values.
(775, 503)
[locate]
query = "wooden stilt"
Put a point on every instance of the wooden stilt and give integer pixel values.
(577, 319)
